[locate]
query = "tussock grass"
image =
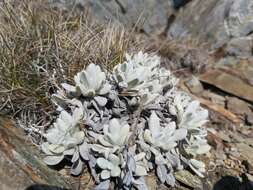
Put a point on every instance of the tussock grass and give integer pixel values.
(41, 47)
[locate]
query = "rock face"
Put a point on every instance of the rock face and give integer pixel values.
(224, 23)
(241, 46)
(229, 83)
(20, 163)
(221, 22)
(149, 15)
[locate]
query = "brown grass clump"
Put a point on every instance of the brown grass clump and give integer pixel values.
(41, 47)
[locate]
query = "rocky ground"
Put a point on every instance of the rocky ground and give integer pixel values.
(220, 77)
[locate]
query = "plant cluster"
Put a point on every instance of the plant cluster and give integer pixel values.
(127, 123)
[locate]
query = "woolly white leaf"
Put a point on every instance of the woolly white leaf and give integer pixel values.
(162, 137)
(79, 136)
(101, 149)
(115, 171)
(55, 148)
(90, 85)
(139, 156)
(105, 174)
(53, 160)
(75, 157)
(104, 185)
(77, 167)
(100, 100)
(179, 134)
(115, 160)
(140, 183)
(170, 179)
(84, 151)
(115, 134)
(69, 151)
(154, 125)
(45, 148)
(103, 163)
(140, 170)
(161, 173)
(197, 166)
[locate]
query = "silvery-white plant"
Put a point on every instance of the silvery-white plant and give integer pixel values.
(127, 123)
(90, 82)
(192, 117)
(163, 137)
(110, 166)
(63, 138)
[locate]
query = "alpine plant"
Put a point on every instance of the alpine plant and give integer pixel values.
(127, 123)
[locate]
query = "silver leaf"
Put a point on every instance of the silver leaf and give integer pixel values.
(77, 167)
(161, 173)
(104, 185)
(101, 101)
(84, 151)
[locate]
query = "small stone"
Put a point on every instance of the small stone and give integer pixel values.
(224, 136)
(220, 155)
(234, 155)
(220, 162)
(249, 118)
(229, 83)
(237, 106)
(248, 166)
(233, 149)
(249, 141)
(194, 85)
(214, 141)
(215, 98)
(241, 46)
(246, 151)
(237, 138)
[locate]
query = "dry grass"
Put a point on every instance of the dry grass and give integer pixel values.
(41, 47)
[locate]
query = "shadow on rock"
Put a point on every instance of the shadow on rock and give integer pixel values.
(44, 187)
(233, 183)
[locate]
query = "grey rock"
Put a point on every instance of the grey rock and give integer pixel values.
(149, 15)
(246, 151)
(224, 136)
(221, 22)
(204, 19)
(249, 118)
(194, 85)
(21, 164)
(215, 98)
(238, 106)
(240, 18)
(240, 47)
(218, 21)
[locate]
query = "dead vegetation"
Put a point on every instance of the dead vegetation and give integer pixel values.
(41, 47)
